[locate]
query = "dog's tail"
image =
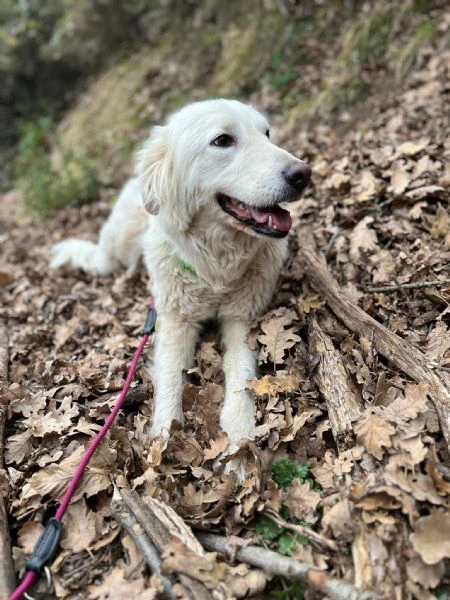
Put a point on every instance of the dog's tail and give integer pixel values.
(81, 254)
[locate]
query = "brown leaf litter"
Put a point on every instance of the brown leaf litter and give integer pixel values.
(379, 210)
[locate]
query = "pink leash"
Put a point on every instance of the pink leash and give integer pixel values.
(48, 543)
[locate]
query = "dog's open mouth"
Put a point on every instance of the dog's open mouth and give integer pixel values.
(273, 220)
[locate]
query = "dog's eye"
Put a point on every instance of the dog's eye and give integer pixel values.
(223, 141)
(267, 133)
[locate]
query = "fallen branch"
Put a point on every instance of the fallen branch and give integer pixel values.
(399, 352)
(330, 375)
(161, 524)
(419, 285)
(7, 575)
(283, 566)
(202, 576)
(129, 522)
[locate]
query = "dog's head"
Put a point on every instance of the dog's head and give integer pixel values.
(214, 161)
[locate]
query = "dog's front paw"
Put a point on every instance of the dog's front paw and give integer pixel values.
(237, 459)
(160, 428)
(241, 466)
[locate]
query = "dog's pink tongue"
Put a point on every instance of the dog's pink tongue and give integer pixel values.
(281, 218)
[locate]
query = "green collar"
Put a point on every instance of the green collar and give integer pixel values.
(186, 266)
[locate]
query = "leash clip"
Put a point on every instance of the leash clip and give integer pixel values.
(150, 321)
(48, 581)
(46, 547)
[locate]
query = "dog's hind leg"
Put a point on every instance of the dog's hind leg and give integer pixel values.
(119, 243)
(174, 351)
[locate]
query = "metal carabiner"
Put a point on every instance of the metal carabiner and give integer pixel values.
(48, 579)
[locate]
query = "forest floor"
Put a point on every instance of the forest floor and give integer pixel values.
(377, 496)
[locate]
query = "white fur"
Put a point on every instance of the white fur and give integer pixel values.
(170, 212)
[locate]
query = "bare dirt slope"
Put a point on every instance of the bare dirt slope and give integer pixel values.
(378, 210)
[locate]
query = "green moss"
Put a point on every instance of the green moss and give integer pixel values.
(370, 41)
(244, 56)
(44, 188)
(405, 57)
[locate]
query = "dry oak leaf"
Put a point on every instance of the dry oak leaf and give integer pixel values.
(367, 187)
(441, 223)
(216, 446)
(414, 482)
(431, 537)
(408, 406)
(323, 472)
(412, 449)
(362, 240)
(389, 498)
(54, 479)
(338, 182)
(427, 575)
(81, 527)
(115, 587)
(18, 447)
(244, 582)
(29, 535)
(270, 385)
(374, 433)
(57, 419)
(178, 558)
(412, 148)
(277, 337)
(301, 501)
(339, 519)
(399, 178)
(438, 342)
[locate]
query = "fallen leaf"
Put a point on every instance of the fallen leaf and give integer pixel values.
(400, 178)
(374, 433)
(178, 558)
(81, 527)
(431, 537)
(301, 501)
(362, 240)
(277, 336)
(29, 535)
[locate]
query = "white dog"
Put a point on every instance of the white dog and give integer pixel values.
(204, 211)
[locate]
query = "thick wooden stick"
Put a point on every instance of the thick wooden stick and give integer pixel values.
(129, 522)
(275, 564)
(161, 524)
(331, 377)
(399, 352)
(7, 575)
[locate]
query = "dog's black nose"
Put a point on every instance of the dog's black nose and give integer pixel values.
(298, 175)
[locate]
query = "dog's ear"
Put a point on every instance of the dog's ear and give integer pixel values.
(155, 169)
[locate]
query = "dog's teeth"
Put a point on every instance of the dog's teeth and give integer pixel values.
(269, 222)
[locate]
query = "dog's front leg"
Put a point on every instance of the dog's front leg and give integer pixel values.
(174, 351)
(239, 365)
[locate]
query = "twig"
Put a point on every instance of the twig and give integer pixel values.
(403, 355)
(330, 375)
(7, 576)
(315, 538)
(136, 396)
(129, 522)
(275, 564)
(406, 286)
